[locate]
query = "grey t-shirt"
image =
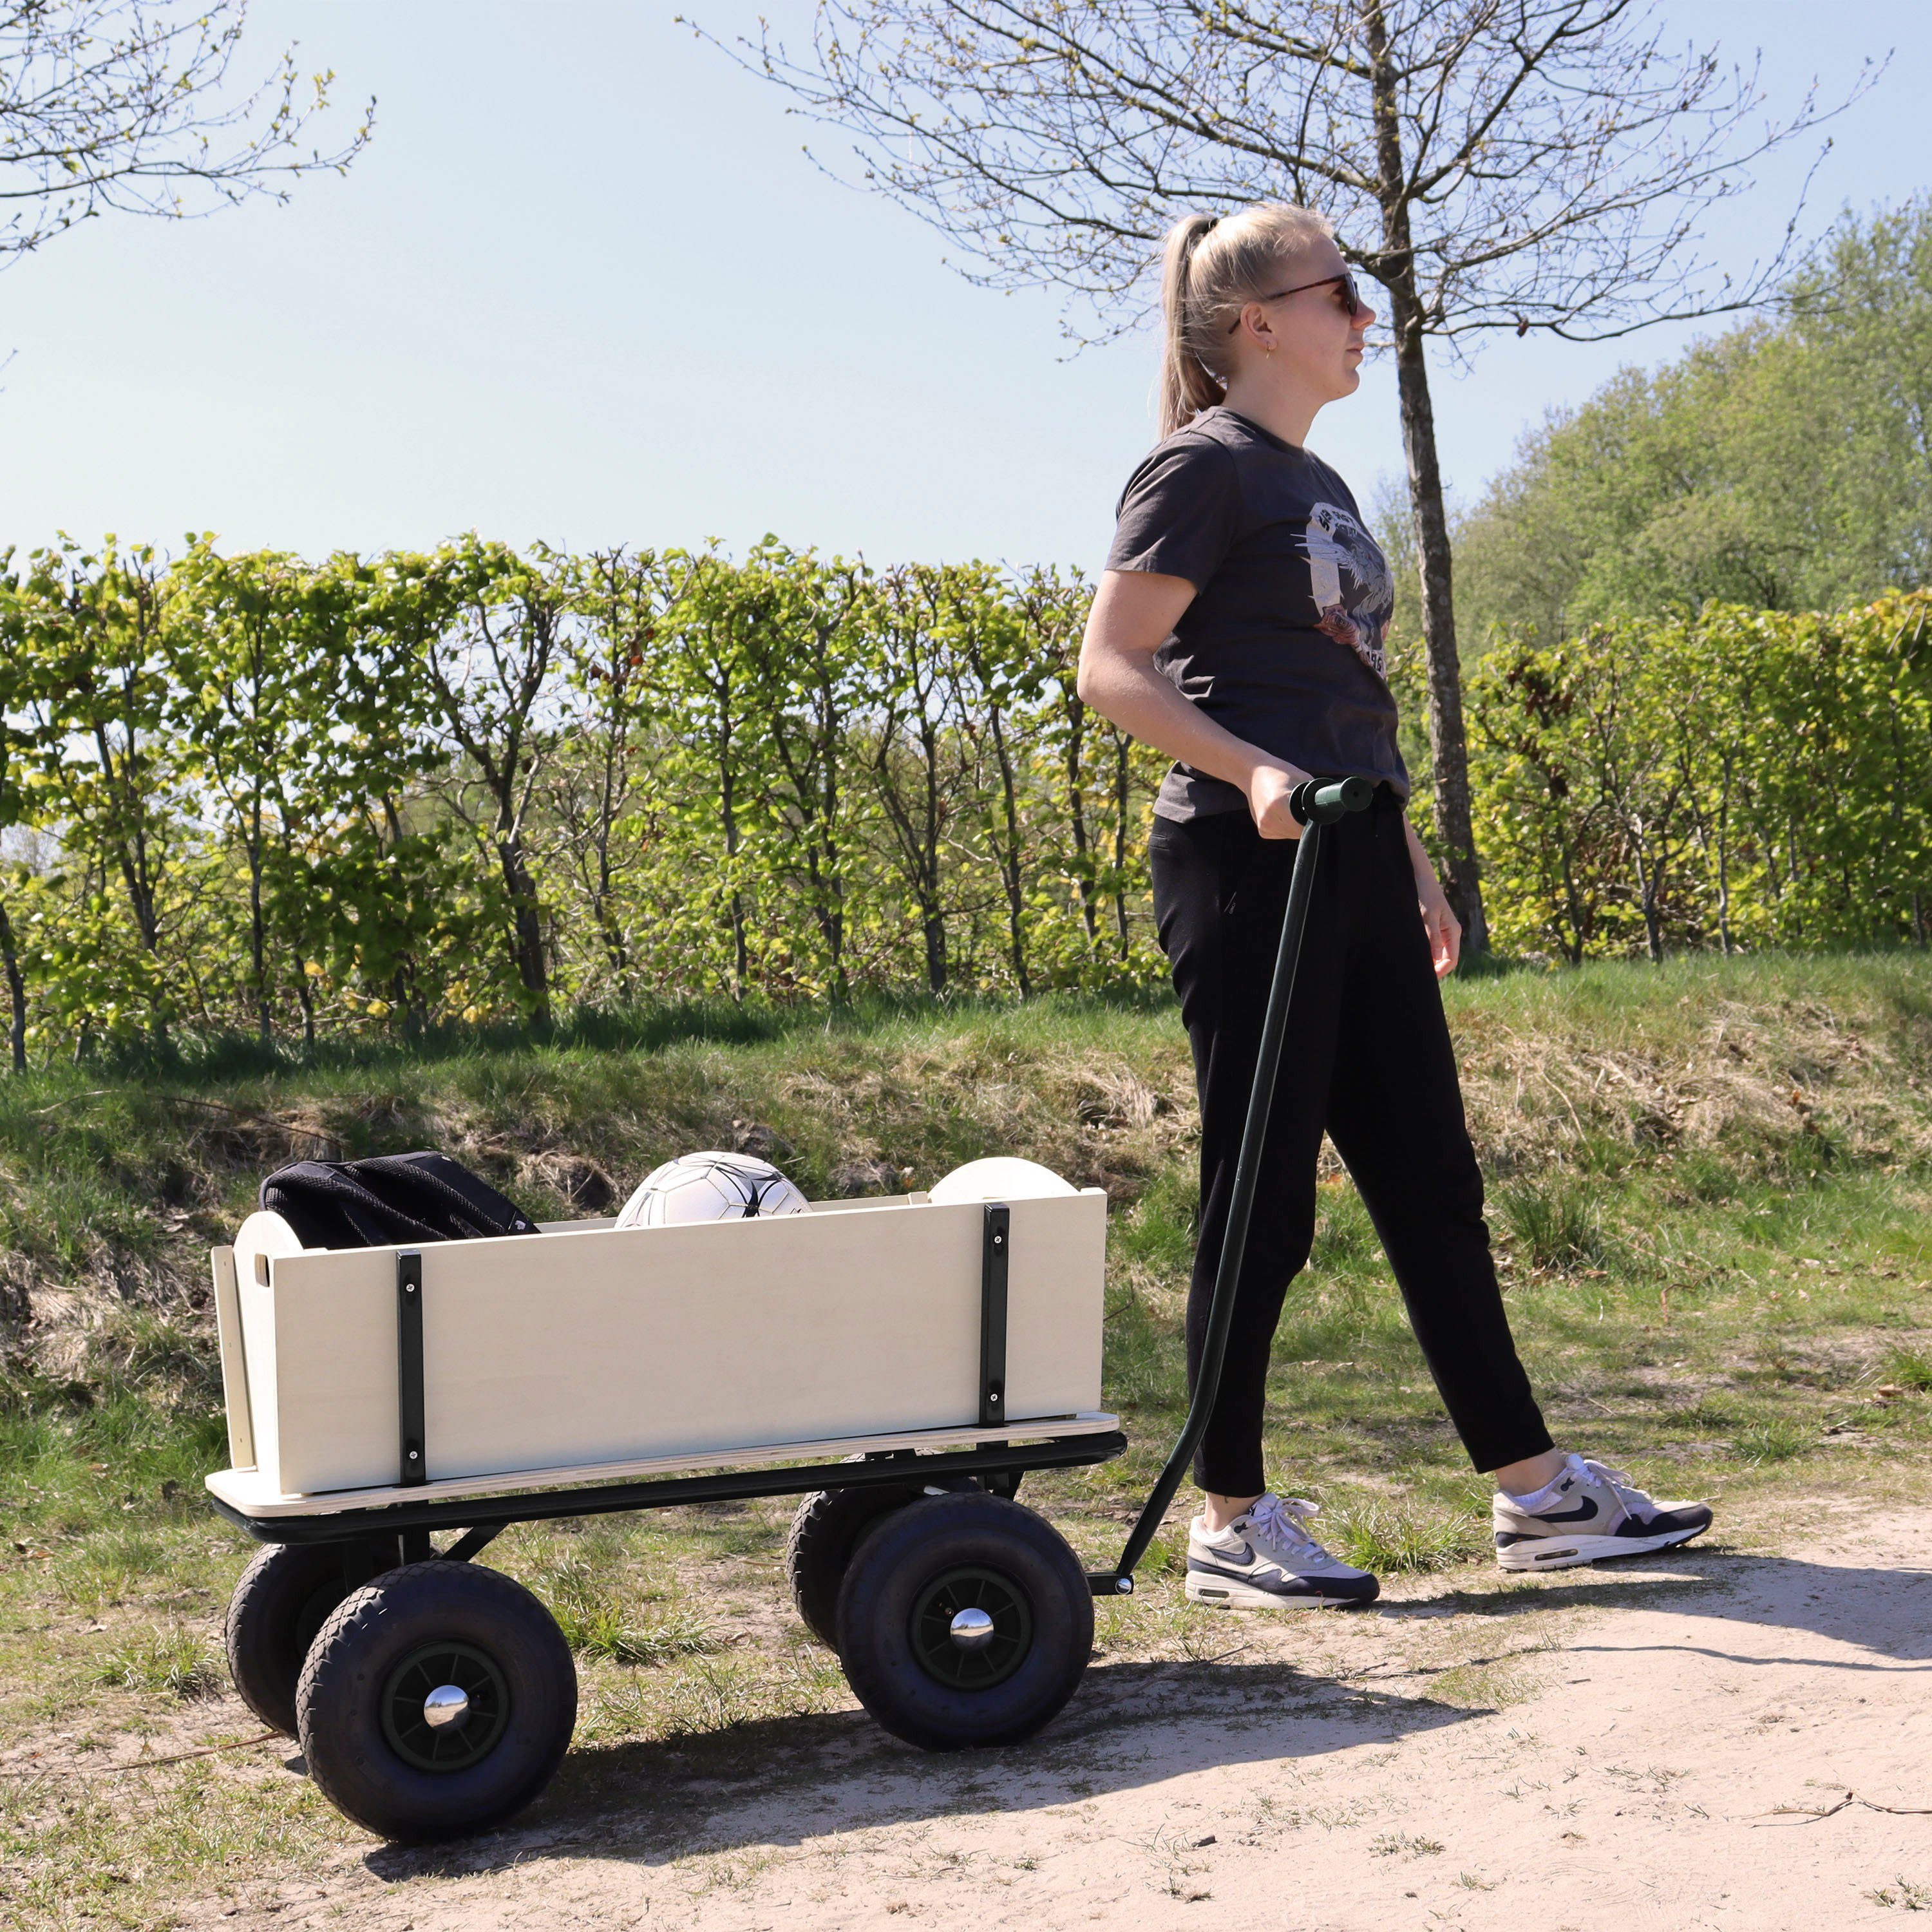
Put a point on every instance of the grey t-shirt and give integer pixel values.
(1282, 644)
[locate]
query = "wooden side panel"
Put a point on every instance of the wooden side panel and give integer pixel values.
(1056, 1304)
(678, 1341)
(234, 1365)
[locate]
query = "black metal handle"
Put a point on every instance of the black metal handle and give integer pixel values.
(1316, 804)
(1320, 801)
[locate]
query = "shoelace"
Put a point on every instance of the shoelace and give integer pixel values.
(1282, 1520)
(1620, 1481)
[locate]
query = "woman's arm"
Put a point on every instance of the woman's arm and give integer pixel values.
(1443, 928)
(1134, 613)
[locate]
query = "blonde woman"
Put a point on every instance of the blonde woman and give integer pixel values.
(1239, 627)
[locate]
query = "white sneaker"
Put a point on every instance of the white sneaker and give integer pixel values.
(1588, 1513)
(1265, 1559)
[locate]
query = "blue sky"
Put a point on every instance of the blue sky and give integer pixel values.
(585, 287)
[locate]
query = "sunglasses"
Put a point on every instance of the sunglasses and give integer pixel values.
(1348, 292)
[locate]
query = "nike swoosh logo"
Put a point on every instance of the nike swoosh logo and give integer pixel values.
(1244, 1558)
(1584, 1512)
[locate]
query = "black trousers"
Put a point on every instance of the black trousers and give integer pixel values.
(1367, 1057)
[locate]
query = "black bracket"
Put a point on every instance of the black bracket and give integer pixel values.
(996, 1245)
(414, 1456)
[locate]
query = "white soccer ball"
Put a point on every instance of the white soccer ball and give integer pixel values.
(711, 1187)
(1000, 1177)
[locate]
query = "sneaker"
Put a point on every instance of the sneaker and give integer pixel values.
(1588, 1513)
(1265, 1559)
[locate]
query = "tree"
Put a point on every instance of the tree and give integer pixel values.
(1785, 464)
(124, 105)
(22, 746)
(803, 656)
(101, 701)
(489, 625)
(1492, 163)
(621, 599)
(256, 654)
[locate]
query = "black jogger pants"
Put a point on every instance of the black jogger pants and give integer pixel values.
(1367, 1057)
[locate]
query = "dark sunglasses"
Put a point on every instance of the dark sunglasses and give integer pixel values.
(1348, 291)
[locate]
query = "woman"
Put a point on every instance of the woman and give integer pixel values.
(1239, 627)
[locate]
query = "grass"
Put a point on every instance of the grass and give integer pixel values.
(1710, 1188)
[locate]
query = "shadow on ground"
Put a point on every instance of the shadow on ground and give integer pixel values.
(1887, 1612)
(781, 1781)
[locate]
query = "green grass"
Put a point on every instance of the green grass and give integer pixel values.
(1711, 1189)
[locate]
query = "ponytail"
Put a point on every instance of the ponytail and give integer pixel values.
(1186, 386)
(1211, 267)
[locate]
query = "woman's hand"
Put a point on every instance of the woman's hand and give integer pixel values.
(1269, 789)
(1444, 930)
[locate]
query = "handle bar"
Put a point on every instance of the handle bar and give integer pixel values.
(1316, 805)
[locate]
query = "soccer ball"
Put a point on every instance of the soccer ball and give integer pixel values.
(1000, 1177)
(711, 1187)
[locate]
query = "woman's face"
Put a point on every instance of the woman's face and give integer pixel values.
(1313, 337)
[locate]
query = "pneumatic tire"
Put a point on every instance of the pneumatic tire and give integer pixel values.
(368, 1721)
(910, 1584)
(284, 1597)
(828, 1528)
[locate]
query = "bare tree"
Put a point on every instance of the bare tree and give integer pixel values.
(127, 105)
(1512, 164)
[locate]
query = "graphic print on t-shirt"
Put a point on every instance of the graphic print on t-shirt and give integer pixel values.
(1349, 578)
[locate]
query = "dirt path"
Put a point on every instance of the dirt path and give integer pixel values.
(1590, 1751)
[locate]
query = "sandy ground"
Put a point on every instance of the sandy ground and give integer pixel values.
(1596, 1750)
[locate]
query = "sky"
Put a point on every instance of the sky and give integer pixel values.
(585, 287)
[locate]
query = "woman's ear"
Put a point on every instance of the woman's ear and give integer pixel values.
(1256, 327)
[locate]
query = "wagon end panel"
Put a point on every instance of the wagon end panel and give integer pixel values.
(234, 1362)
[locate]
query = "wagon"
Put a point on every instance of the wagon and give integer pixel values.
(899, 1364)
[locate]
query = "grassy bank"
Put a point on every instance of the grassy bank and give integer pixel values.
(1709, 1187)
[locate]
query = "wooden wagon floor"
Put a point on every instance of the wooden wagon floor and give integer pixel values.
(1593, 1749)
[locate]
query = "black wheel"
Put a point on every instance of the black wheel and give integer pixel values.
(436, 1701)
(964, 1620)
(284, 1597)
(824, 1533)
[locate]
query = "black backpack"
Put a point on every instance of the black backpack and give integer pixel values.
(389, 1201)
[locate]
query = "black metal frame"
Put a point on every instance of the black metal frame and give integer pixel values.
(890, 1467)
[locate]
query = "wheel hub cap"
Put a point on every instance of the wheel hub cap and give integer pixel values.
(444, 1705)
(971, 1628)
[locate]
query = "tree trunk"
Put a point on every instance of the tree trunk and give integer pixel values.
(305, 996)
(1009, 857)
(16, 995)
(527, 950)
(1076, 806)
(1448, 748)
(258, 934)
